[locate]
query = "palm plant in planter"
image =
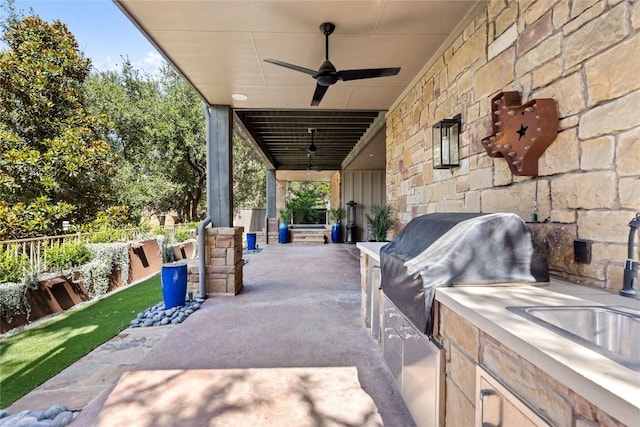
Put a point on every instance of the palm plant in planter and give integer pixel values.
(380, 222)
(335, 215)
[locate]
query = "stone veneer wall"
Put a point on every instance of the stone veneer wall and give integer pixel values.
(466, 346)
(281, 196)
(223, 262)
(582, 53)
(336, 193)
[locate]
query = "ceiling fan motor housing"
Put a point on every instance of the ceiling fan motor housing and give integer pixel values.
(327, 74)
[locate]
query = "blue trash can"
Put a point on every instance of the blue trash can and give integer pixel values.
(251, 241)
(174, 284)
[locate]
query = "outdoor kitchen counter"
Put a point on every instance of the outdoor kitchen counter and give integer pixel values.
(372, 249)
(608, 385)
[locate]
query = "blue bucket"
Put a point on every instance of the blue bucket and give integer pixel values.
(174, 284)
(251, 241)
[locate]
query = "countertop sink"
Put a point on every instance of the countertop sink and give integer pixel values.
(612, 333)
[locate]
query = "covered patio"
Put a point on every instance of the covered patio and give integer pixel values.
(289, 350)
(469, 60)
(220, 47)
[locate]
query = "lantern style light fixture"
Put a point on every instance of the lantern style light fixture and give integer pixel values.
(446, 143)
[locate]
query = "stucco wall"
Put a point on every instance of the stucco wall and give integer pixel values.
(583, 54)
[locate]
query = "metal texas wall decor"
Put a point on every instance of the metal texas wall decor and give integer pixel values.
(521, 133)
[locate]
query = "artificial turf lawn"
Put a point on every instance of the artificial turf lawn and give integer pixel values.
(31, 357)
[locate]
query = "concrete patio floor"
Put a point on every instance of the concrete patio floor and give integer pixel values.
(289, 350)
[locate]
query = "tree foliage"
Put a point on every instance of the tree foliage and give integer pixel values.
(159, 132)
(249, 177)
(53, 164)
(307, 201)
(84, 147)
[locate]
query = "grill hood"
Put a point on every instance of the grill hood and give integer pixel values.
(448, 249)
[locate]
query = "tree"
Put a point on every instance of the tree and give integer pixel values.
(182, 136)
(159, 132)
(249, 177)
(53, 164)
(307, 200)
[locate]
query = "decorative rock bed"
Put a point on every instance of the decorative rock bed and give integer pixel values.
(57, 415)
(159, 316)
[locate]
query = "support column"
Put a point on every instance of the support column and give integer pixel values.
(281, 194)
(219, 177)
(271, 193)
(223, 261)
(222, 251)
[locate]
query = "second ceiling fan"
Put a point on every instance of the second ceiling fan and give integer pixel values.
(327, 74)
(312, 150)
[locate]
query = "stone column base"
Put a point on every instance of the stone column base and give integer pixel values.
(223, 262)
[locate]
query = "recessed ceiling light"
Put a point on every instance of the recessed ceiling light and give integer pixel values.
(239, 96)
(370, 154)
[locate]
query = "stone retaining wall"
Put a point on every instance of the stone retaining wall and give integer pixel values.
(584, 55)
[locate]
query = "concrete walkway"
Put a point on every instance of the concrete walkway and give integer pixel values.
(289, 350)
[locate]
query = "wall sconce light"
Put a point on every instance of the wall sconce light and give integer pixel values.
(446, 143)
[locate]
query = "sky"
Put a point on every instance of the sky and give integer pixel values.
(102, 31)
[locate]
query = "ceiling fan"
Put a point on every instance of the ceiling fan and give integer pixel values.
(311, 151)
(327, 74)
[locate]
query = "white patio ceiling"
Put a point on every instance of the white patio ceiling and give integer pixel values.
(220, 47)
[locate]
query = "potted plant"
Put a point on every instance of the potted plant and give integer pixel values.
(283, 228)
(335, 215)
(380, 221)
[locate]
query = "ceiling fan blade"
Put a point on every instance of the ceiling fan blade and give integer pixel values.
(312, 73)
(367, 73)
(318, 94)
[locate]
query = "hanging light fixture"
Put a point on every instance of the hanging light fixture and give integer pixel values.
(446, 143)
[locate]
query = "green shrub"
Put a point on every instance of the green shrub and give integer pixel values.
(380, 222)
(182, 234)
(13, 301)
(94, 275)
(107, 235)
(168, 254)
(113, 217)
(13, 266)
(66, 255)
(160, 231)
(335, 214)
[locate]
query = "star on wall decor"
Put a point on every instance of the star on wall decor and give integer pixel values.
(535, 124)
(522, 131)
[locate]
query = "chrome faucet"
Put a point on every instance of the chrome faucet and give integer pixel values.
(630, 281)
